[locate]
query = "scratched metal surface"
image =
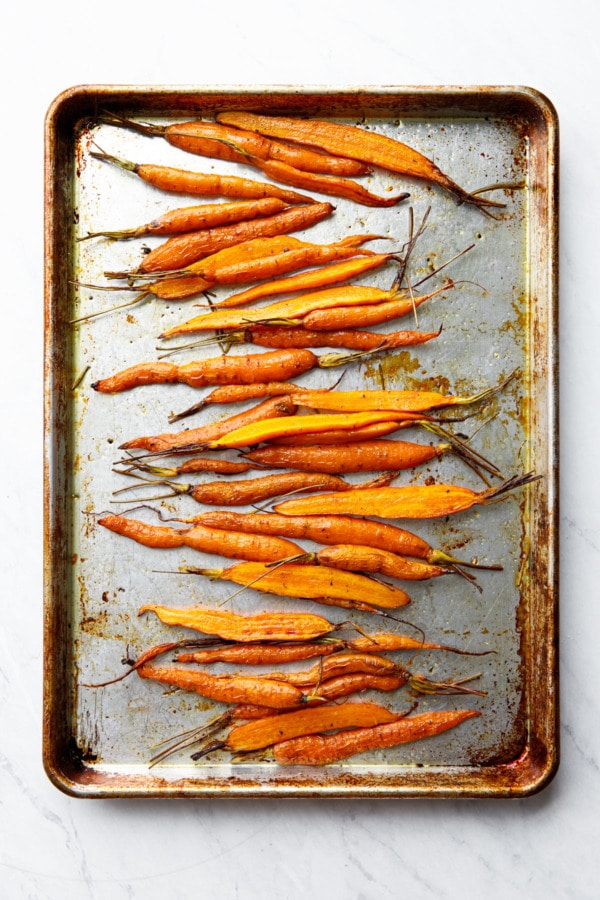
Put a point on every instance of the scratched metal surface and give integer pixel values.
(489, 321)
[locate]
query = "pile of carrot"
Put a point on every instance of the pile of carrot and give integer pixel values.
(247, 242)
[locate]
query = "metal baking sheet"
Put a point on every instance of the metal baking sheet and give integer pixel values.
(501, 316)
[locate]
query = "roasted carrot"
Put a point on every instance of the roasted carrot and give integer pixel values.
(351, 339)
(261, 654)
(197, 464)
(181, 181)
(245, 492)
(276, 365)
(398, 401)
(366, 316)
(231, 544)
(196, 218)
(226, 688)
(416, 501)
(190, 440)
(210, 139)
(321, 277)
(286, 726)
(328, 529)
(330, 586)
(318, 750)
(290, 309)
(362, 456)
(310, 424)
(272, 626)
(365, 455)
(355, 143)
(183, 249)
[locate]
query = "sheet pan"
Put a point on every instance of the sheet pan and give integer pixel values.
(501, 317)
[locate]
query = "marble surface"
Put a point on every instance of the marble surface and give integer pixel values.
(54, 846)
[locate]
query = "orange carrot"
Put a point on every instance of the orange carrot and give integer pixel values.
(190, 440)
(272, 626)
(197, 464)
(261, 654)
(330, 586)
(231, 544)
(351, 339)
(195, 218)
(276, 365)
(355, 143)
(226, 688)
(290, 309)
(414, 501)
(362, 456)
(320, 750)
(181, 181)
(274, 729)
(182, 250)
(398, 401)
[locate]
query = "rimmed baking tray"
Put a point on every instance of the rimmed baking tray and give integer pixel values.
(503, 316)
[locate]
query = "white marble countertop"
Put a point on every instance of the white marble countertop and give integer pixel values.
(54, 846)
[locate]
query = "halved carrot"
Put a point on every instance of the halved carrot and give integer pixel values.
(318, 750)
(397, 401)
(415, 501)
(271, 626)
(330, 586)
(275, 729)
